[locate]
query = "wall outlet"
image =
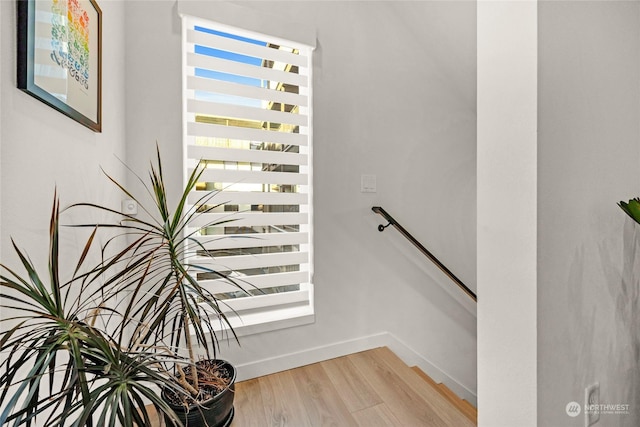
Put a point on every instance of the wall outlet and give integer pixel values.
(591, 404)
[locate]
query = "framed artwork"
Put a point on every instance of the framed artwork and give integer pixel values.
(60, 56)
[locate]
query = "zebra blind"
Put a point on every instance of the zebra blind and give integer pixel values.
(247, 120)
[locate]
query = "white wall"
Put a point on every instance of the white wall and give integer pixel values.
(42, 149)
(589, 151)
(394, 86)
(507, 142)
(1, 118)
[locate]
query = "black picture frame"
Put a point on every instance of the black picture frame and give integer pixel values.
(60, 56)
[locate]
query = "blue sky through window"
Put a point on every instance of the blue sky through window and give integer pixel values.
(218, 75)
(234, 78)
(229, 35)
(228, 55)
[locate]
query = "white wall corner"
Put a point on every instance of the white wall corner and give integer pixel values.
(507, 213)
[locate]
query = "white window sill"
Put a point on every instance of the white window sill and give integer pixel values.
(281, 318)
(264, 313)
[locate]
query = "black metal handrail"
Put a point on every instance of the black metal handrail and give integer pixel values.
(425, 251)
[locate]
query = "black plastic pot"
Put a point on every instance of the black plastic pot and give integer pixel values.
(215, 412)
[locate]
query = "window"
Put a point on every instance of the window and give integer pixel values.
(247, 100)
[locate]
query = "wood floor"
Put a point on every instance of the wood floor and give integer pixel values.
(371, 388)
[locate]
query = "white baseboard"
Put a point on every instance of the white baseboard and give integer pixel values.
(318, 354)
(312, 355)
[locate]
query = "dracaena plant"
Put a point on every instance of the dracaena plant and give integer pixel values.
(167, 305)
(93, 349)
(58, 367)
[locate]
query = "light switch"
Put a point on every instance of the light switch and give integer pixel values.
(368, 184)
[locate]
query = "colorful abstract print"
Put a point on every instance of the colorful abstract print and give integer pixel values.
(70, 39)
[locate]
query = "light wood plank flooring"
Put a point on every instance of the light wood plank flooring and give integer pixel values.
(369, 389)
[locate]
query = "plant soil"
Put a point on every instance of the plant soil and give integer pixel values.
(213, 378)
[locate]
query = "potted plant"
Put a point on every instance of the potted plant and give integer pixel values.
(163, 315)
(59, 367)
(632, 208)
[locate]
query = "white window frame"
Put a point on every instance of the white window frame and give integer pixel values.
(260, 313)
